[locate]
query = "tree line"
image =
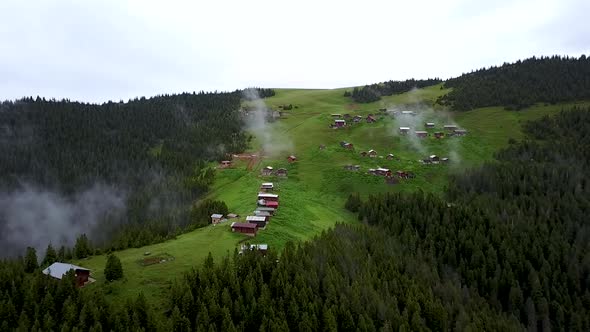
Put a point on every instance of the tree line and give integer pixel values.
(521, 84)
(373, 92)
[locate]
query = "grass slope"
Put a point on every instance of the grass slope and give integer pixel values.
(313, 195)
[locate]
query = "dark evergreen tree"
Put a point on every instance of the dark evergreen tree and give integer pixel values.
(31, 263)
(113, 269)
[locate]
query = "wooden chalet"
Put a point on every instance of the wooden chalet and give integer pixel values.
(267, 186)
(260, 248)
(363, 153)
(232, 216)
(259, 221)
(339, 123)
(57, 270)
(444, 160)
(439, 134)
(404, 130)
(450, 127)
(382, 172)
(225, 164)
(271, 211)
(216, 218)
(421, 133)
(408, 113)
(347, 116)
(244, 228)
(434, 158)
(291, 159)
(281, 172)
(268, 197)
(370, 119)
(429, 125)
(267, 171)
(402, 174)
(372, 154)
(264, 214)
(357, 118)
(460, 132)
(390, 156)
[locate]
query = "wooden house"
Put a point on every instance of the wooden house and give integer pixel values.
(421, 133)
(339, 123)
(216, 218)
(232, 216)
(450, 127)
(57, 270)
(266, 209)
(267, 186)
(364, 154)
(259, 221)
(282, 172)
(439, 134)
(225, 164)
(408, 113)
(372, 154)
(389, 156)
(444, 160)
(460, 132)
(264, 214)
(347, 116)
(357, 118)
(402, 174)
(434, 158)
(267, 171)
(382, 172)
(268, 197)
(404, 130)
(429, 125)
(348, 146)
(291, 159)
(244, 228)
(370, 119)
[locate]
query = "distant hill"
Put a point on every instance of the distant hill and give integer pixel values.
(521, 84)
(374, 92)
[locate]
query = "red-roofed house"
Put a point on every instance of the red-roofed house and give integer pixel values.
(244, 228)
(291, 159)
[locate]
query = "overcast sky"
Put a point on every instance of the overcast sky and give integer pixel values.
(114, 49)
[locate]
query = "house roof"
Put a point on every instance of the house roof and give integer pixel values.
(407, 112)
(262, 213)
(232, 215)
(226, 161)
(268, 167)
(372, 151)
(339, 120)
(430, 123)
(255, 218)
(217, 216)
(266, 195)
(336, 114)
(266, 209)
(292, 157)
(272, 204)
(390, 154)
(450, 126)
(267, 184)
(242, 225)
(281, 170)
(433, 156)
(421, 132)
(57, 270)
(460, 130)
(404, 128)
(383, 169)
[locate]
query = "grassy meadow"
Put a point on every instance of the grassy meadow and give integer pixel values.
(313, 194)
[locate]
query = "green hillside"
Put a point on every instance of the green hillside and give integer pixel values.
(313, 194)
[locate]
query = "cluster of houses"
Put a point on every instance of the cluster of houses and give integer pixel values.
(269, 170)
(340, 120)
(453, 129)
(434, 159)
(266, 204)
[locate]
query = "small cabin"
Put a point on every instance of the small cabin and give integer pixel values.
(352, 167)
(460, 132)
(450, 127)
(444, 160)
(264, 214)
(225, 164)
(357, 118)
(382, 172)
(259, 221)
(232, 216)
(216, 218)
(271, 211)
(267, 171)
(429, 124)
(281, 172)
(439, 134)
(339, 123)
(408, 113)
(291, 159)
(402, 174)
(271, 204)
(434, 158)
(57, 270)
(404, 130)
(370, 119)
(268, 197)
(348, 146)
(372, 154)
(267, 186)
(421, 133)
(244, 228)
(364, 154)
(390, 156)
(260, 248)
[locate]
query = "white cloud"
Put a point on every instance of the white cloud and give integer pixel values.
(100, 50)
